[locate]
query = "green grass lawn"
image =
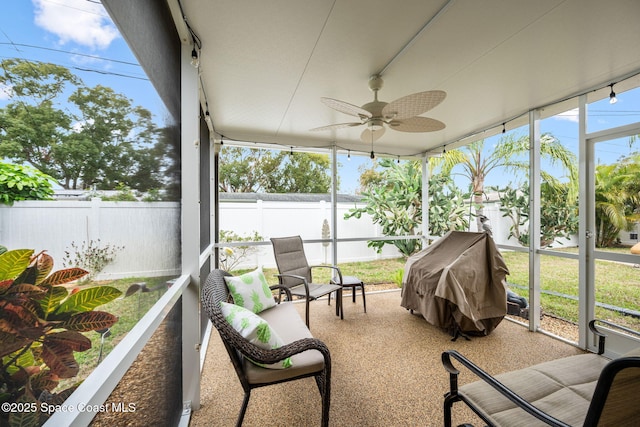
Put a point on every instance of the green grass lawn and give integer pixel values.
(380, 271)
(617, 284)
(129, 311)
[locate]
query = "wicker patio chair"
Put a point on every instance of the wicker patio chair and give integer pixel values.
(311, 357)
(586, 390)
(295, 273)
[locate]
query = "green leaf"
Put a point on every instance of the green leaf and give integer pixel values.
(44, 265)
(89, 321)
(88, 299)
(25, 418)
(14, 262)
(29, 275)
(52, 299)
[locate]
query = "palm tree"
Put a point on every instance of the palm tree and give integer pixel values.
(617, 199)
(476, 164)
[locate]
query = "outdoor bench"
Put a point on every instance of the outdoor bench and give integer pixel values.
(308, 356)
(582, 390)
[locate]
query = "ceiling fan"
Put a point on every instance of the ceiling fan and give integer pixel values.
(401, 114)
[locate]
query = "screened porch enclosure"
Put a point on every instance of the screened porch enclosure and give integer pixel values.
(262, 71)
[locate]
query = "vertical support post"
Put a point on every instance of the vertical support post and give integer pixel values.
(425, 200)
(215, 238)
(534, 220)
(260, 215)
(586, 238)
(190, 228)
(334, 205)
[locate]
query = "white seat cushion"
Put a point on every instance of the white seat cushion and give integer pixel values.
(286, 321)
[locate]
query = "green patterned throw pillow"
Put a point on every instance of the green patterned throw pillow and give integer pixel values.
(256, 330)
(251, 291)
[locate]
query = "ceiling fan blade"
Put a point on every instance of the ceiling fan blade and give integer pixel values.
(337, 126)
(369, 135)
(413, 105)
(345, 107)
(417, 124)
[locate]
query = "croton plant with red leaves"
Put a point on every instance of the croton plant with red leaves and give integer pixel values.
(42, 317)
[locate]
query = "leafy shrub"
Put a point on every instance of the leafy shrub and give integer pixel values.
(91, 256)
(23, 183)
(41, 323)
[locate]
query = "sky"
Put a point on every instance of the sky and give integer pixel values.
(79, 35)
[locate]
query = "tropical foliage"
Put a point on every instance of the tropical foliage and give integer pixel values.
(394, 201)
(617, 199)
(19, 182)
(475, 163)
(42, 320)
(558, 215)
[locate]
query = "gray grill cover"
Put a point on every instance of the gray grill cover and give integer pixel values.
(458, 283)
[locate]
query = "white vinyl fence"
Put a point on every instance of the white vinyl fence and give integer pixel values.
(149, 232)
(291, 218)
(150, 235)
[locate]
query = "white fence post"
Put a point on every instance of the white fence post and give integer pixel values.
(93, 226)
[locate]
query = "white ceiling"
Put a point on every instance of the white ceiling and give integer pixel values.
(265, 64)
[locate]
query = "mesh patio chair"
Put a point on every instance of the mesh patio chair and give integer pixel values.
(350, 282)
(295, 273)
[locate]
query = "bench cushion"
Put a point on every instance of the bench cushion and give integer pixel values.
(287, 323)
(562, 388)
(256, 330)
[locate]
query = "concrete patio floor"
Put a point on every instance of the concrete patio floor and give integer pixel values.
(386, 370)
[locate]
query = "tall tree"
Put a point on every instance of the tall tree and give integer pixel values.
(245, 170)
(298, 173)
(32, 125)
(94, 137)
(121, 135)
(477, 164)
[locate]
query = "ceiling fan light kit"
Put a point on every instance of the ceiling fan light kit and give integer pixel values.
(402, 115)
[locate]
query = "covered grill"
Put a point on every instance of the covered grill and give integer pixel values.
(458, 283)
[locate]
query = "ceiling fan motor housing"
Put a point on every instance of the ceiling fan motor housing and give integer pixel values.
(375, 124)
(375, 83)
(375, 108)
